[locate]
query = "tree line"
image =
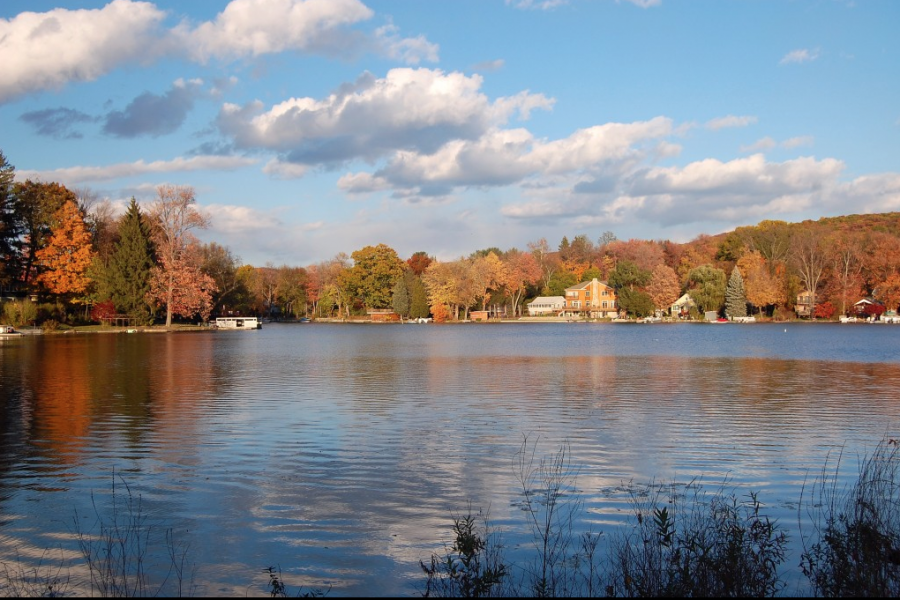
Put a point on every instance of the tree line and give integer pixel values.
(83, 264)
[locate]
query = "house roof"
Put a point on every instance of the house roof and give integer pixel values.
(548, 299)
(586, 284)
(684, 300)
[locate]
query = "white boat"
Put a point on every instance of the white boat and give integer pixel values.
(238, 323)
(7, 332)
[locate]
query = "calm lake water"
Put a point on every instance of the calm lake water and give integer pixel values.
(340, 453)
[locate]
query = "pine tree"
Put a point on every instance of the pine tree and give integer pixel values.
(8, 230)
(418, 298)
(128, 272)
(400, 297)
(735, 300)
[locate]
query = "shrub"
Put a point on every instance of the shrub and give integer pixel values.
(854, 548)
(714, 546)
(472, 567)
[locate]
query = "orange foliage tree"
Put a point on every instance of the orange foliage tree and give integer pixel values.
(664, 287)
(762, 287)
(68, 253)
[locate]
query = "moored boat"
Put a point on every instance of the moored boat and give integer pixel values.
(238, 323)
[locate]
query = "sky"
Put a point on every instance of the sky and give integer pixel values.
(308, 128)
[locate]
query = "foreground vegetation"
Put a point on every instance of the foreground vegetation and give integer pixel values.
(681, 541)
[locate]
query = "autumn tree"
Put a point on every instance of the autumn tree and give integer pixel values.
(707, 287)
(373, 274)
(546, 260)
(222, 265)
(772, 239)
(522, 271)
(808, 256)
(178, 281)
(66, 256)
(186, 290)
(35, 205)
(418, 262)
(126, 275)
(762, 288)
(334, 293)
(735, 300)
(888, 293)
(846, 265)
(290, 290)
(664, 287)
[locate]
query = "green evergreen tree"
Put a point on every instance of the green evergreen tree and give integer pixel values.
(128, 271)
(400, 297)
(418, 298)
(735, 300)
(8, 229)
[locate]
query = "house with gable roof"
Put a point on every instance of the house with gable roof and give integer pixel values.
(593, 299)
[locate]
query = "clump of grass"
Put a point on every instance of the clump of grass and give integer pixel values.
(565, 564)
(116, 549)
(472, 567)
(854, 548)
(713, 545)
(278, 589)
(43, 580)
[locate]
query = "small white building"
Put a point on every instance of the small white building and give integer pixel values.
(546, 305)
(682, 305)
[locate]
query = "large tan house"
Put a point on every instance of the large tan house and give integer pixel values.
(593, 299)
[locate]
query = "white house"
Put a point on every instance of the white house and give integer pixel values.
(546, 305)
(683, 304)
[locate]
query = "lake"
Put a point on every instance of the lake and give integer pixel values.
(339, 453)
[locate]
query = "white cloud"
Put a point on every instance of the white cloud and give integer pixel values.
(282, 170)
(767, 143)
(730, 121)
(413, 109)
(796, 142)
(230, 219)
(48, 50)
(760, 145)
(256, 27)
(76, 175)
(411, 51)
(801, 55)
(362, 183)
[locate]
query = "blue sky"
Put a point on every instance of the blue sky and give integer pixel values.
(313, 127)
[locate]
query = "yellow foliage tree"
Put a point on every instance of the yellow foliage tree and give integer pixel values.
(68, 253)
(761, 287)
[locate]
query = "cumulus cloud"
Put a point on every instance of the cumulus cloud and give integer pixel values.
(76, 175)
(257, 27)
(730, 121)
(152, 114)
(48, 50)
(231, 219)
(411, 51)
(409, 109)
(58, 123)
(801, 55)
(45, 51)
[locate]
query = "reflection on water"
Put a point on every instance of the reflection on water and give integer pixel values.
(340, 452)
